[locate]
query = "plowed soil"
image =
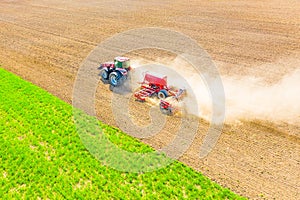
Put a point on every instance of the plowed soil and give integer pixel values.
(45, 41)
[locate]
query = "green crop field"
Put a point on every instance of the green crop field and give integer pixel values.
(42, 156)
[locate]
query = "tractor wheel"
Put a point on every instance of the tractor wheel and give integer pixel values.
(162, 94)
(104, 74)
(115, 79)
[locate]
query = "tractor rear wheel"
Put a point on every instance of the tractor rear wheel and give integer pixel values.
(115, 79)
(162, 94)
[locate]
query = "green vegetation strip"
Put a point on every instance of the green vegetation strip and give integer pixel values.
(42, 156)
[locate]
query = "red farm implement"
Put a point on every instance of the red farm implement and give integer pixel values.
(156, 86)
(168, 106)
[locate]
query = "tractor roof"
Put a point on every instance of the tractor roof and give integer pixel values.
(121, 59)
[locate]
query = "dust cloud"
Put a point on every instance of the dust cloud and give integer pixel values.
(246, 97)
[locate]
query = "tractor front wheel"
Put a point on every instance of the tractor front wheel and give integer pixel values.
(104, 74)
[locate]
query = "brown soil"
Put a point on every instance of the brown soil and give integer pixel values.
(45, 41)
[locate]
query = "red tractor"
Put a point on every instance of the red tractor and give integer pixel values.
(155, 86)
(115, 73)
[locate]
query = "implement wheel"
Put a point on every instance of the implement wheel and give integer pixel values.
(162, 94)
(165, 111)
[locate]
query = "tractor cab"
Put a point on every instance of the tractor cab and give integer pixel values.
(122, 62)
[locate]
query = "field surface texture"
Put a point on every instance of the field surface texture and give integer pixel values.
(45, 42)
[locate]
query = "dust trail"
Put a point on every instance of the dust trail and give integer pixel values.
(247, 97)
